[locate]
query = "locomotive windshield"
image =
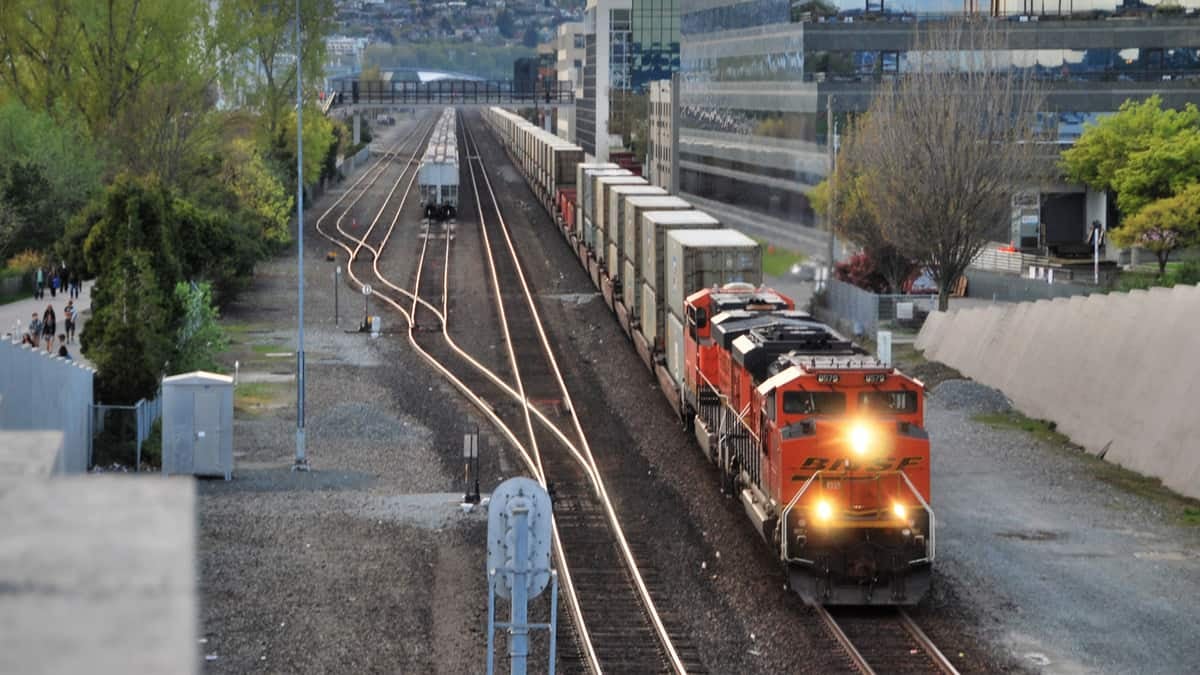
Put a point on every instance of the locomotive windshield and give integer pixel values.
(814, 402)
(895, 402)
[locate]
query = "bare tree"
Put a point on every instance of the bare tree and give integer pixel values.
(944, 145)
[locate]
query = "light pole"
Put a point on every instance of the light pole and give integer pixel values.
(301, 463)
(831, 142)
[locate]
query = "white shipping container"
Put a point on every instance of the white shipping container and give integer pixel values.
(655, 225)
(649, 314)
(673, 346)
(585, 199)
(632, 229)
(697, 259)
(631, 292)
(614, 223)
(604, 185)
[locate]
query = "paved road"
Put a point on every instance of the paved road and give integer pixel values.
(808, 240)
(14, 316)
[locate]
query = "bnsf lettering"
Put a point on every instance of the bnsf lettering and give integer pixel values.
(878, 464)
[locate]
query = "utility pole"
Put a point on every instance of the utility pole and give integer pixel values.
(831, 137)
(301, 463)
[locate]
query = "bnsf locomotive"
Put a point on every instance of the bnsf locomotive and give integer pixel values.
(824, 446)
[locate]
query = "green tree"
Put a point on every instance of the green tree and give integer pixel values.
(260, 195)
(48, 171)
(1143, 152)
(318, 136)
(199, 338)
(941, 149)
(128, 337)
(854, 221)
(217, 245)
(131, 70)
(1164, 226)
(131, 244)
(265, 33)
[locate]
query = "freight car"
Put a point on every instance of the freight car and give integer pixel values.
(438, 175)
(823, 445)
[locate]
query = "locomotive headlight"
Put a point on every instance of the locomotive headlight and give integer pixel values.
(824, 510)
(900, 510)
(860, 439)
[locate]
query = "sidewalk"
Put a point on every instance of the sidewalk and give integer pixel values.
(20, 311)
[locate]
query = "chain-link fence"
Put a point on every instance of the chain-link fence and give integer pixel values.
(863, 312)
(126, 435)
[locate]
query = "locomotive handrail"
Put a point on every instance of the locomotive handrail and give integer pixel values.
(930, 539)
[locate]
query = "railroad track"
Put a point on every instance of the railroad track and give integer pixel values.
(629, 631)
(883, 640)
(608, 635)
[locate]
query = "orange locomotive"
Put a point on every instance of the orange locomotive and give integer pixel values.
(823, 444)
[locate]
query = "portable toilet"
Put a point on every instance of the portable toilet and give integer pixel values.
(197, 424)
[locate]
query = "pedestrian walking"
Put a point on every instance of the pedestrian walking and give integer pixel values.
(55, 280)
(75, 284)
(69, 319)
(49, 326)
(37, 289)
(35, 329)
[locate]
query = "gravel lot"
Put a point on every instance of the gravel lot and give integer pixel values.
(1071, 573)
(367, 564)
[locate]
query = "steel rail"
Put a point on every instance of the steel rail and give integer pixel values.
(843, 640)
(597, 481)
(475, 399)
(906, 622)
(574, 605)
(931, 649)
(564, 569)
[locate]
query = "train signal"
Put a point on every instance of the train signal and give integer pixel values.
(518, 563)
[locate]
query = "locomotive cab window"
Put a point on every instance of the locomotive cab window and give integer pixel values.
(895, 402)
(814, 402)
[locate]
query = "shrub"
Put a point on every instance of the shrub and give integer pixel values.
(27, 261)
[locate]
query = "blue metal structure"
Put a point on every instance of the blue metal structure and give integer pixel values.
(519, 537)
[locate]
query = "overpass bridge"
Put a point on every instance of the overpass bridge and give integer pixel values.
(353, 95)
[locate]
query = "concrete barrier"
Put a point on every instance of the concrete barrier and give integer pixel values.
(1115, 372)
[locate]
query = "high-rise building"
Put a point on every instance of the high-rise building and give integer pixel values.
(569, 66)
(663, 135)
(756, 77)
(654, 49)
(607, 29)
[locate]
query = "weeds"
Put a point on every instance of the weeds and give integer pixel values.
(1041, 429)
(1183, 510)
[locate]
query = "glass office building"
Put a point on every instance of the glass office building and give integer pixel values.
(756, 77)
(654, 47)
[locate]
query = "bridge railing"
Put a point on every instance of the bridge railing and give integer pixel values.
(450, 92)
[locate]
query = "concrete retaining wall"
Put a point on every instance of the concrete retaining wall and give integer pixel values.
(41, 392)
(1115, 372)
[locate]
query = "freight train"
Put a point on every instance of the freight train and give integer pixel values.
(824, 446)
(438, 175)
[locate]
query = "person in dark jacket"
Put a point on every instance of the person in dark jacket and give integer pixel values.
(49, 326)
